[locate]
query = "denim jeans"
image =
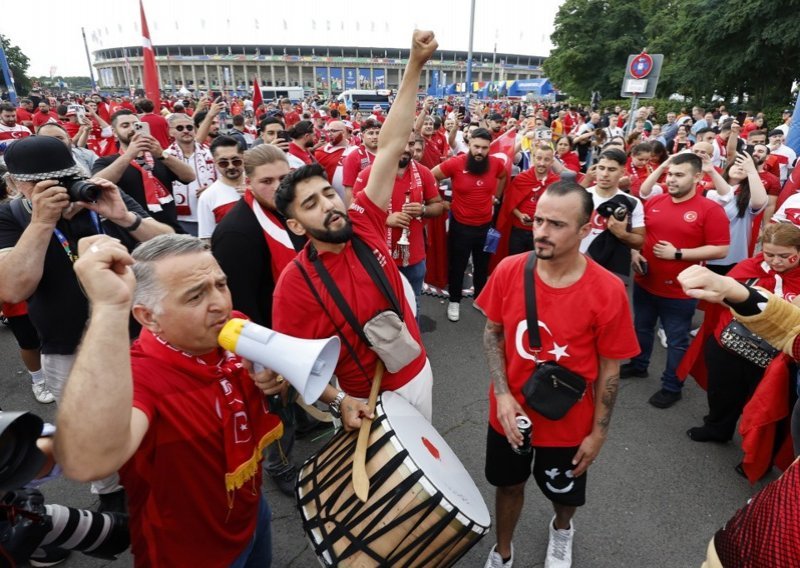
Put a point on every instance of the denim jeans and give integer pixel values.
(258, 553)
(676, 317)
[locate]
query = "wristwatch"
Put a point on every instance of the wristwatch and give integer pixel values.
(336, 404)
(678, 254)
(135, 225)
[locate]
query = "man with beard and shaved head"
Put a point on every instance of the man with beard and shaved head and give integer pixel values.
(143, 170)
(9, 129)
(415, 197)
(477, 180)
(331, 155)
(303, 305)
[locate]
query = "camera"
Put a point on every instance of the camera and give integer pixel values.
(620, 213)
(79, 189)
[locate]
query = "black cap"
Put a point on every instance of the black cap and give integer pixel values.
(39, 157)
(773, 132)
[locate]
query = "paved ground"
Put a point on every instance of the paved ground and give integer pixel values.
(654, 499)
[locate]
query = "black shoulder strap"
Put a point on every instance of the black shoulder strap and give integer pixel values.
(347, 344)
(370, 264)
(531, 316)
(20, 213)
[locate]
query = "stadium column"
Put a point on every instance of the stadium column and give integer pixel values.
(272, 73)
(194, 76)
(286, 73)
(181, 67)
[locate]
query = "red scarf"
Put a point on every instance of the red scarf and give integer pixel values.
(243, 453)
(155, 194)
(281, 248)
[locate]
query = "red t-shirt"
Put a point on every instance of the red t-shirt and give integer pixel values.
(39, 118)
(577, 325)
(436, 150)
(178, 502)
(420, 187)
(23, 116)
(532, 186)
(304, 155)
(290, 119)
(689, 224)
(637, 176)
(296, 311)
(329, 158)
(159, 128)
(771, 183)
(354, 163)
(473, 195)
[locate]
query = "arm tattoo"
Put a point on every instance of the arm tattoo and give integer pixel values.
(608, 398)
(494, 344)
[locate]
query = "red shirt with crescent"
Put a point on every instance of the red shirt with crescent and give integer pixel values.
(577, 325)
(473, 195)
(13, 132)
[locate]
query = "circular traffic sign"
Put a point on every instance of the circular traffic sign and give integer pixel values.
(641, 66)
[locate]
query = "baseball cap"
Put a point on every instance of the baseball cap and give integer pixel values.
(775, 132)
(35, 158)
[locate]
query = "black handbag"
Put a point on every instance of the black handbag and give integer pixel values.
(739, 340)
(551, 389)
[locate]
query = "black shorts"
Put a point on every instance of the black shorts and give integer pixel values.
(26, 335)
(552, 470)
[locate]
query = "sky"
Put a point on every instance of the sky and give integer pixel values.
(54, 43)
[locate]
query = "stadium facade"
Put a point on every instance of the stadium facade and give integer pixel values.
(327, 70)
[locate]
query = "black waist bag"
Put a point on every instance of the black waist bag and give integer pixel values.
(551, 389)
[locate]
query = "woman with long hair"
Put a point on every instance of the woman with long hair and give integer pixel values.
(566, 157)
(681, 140)
(731, 378)
(741, 193)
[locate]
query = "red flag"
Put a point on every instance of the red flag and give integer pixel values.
(151, 82)
(503, 148)
(257, 96)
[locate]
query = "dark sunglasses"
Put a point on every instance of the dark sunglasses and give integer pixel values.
(224, 162)
(187, 128)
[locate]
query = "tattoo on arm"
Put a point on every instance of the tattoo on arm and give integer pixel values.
(608, 398)
(494, 344)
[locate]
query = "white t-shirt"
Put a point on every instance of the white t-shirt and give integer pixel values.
(600, 223)
(741, 227)
(214, 202)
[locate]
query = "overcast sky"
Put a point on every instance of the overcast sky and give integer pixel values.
(52, 39)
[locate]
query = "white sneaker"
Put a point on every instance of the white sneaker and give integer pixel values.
(559, 548)
(496, 561)
(453, 311)
(42, 393)
(662, 337)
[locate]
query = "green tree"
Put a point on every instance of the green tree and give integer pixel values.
(18, 63)
(592, 40)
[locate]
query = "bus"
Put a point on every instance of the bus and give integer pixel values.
(294, 94)
(366, 99)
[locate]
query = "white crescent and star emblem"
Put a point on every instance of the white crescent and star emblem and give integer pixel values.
(558, 351)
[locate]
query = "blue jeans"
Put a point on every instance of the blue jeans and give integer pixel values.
(415, 274)
(258, 553)
(676, 317)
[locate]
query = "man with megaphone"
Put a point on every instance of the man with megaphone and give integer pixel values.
(345, 274)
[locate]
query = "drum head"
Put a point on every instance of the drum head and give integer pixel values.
(434, 457)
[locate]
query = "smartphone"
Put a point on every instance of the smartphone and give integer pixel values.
(283, 135)
(462, 110)
(741, 116)
(141, 128)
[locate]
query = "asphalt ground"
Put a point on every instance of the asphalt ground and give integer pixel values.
(654, 497)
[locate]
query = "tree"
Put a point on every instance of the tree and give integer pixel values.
(18, 63)
(592, 40)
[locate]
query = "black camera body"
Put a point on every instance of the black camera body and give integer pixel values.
(79, 189)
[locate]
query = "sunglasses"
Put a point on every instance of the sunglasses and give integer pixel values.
(224, 162)
(187, 128)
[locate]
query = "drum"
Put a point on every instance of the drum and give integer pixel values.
(423, 508)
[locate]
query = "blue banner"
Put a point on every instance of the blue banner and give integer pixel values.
(322, 79)
(365, 78)
(350, 79)
(379, 78)
(336, 79)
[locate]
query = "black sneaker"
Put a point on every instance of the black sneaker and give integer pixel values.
(286, 480)
(49, 556)
(113, 502)
(665, 398)
(629, 370)
(705, 434)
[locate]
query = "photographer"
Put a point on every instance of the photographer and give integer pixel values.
(38, 244)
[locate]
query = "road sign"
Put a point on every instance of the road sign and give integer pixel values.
(641, 75)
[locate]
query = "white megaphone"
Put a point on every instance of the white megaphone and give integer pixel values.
(307, 364)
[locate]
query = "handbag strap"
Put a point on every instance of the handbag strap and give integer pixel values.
(534, 341)
(347, 344)
(370, 264)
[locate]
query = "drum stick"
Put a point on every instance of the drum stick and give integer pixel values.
(360, 479)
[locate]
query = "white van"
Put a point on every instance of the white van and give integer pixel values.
(366, 99)
(294, 94)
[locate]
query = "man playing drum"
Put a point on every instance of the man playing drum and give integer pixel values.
(333, 289)
(585, 327)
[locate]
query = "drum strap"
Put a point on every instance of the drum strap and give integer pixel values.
(347, 344)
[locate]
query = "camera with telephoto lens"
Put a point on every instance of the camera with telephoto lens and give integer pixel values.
(79, 189)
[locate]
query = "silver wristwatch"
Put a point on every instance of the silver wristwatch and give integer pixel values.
(335, 406)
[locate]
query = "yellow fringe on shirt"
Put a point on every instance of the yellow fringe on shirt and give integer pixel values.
(248, 469)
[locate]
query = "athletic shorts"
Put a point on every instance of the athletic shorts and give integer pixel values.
(24, 332)
(552, 470)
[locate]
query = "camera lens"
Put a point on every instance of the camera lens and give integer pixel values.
(78, 189)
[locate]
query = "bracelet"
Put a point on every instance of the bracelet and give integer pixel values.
(135, 225)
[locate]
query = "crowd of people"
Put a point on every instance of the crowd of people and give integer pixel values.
(310, 219)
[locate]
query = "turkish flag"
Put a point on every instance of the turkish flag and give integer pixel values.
(258, 99)
(151, 81)
(503, 148)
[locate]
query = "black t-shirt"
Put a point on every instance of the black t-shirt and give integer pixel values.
(58, 308)
(239, 245)
(131, 183)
